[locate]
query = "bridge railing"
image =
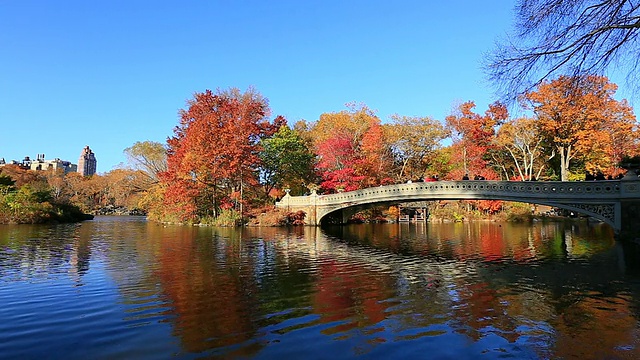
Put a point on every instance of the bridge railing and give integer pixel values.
(536, 189)
(607, 189)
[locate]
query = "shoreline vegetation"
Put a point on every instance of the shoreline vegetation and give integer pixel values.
(228, 161)
(31, 197)
(26, 198)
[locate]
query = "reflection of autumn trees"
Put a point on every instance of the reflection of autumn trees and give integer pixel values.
(225, 292)
(501, 283)
(341, 297)
(596, 327)
(234, 291)
(479, 308)
(224, 285)
(491, 241)
(575, 324)
(211, 300)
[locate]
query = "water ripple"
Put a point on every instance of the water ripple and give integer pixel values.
(125, 288)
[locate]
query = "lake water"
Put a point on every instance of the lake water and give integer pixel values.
(124, 288)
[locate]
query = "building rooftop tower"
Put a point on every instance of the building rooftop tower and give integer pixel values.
(87, 163)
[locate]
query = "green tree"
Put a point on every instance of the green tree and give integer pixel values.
(27, 197)
(6, 184)
(286, 161)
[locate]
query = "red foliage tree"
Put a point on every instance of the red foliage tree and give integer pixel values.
(351, 150)
(472, 138)
(472, 142)
(336, 164)
(214, 152)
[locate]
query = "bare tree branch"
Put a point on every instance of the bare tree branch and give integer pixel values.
(571, 37)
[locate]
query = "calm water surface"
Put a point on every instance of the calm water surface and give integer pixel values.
(124, 288)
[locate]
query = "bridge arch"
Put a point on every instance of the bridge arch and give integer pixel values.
(600, 212)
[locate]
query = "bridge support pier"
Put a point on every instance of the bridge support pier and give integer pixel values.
(630, 216)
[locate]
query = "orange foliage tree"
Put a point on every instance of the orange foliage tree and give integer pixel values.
(579, 117)
(213, 155)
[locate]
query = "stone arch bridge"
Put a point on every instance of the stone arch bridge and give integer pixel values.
(615, 202)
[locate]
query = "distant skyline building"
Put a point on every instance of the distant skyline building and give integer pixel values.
(41, 164)
(55, 164)
(87, 163)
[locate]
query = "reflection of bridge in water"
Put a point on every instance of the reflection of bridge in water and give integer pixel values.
(615, 202)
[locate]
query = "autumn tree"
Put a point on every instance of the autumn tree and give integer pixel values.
(73, 190)
(214, 153)
(351, 149)
(337, 160)
(89, 193)
(351, 123)
(413, 142)
(142, 187)
(57, 184)
(148, 156)
(286, 161)
(26, 197)
(473, 136)
(303, 129)
(473, 142)
(555, 37)
(375, 158)
(624, 137)
(20, 175)
(125, 187)
(579, 117)
(520, 140)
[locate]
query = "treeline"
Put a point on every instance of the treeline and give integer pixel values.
(229, 160)
(28, 196)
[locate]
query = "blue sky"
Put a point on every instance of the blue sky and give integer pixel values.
(112, 72)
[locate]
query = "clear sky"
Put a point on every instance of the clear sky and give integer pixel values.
(108, 73)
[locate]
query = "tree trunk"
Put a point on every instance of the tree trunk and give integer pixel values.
(215, 201)
(564, 163)
(464, 159)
